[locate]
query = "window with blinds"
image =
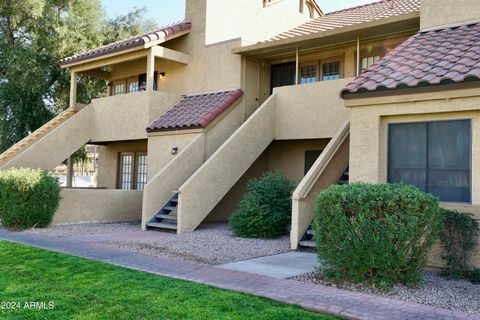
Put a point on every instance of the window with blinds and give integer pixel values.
(433, 156)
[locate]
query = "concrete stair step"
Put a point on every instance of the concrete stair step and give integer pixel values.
(308, 243)
(162, 225)
(170, 217)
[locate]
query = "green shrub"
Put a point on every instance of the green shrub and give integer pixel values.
(473, 275)
(28, 198)
(265, 210)
(459, 237)
(375, 233)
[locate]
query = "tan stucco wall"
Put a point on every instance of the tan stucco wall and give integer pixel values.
(88, 205)
(225, 167)
(161, 187)
(288, 156)
(310, 111)
(125, 117)
(168, 172)
(229, 202)
(108, 157)
(160, 148)
(369, 124)
(327, 170)
(56, 146)
(437, 13)
(250, 20)
(223, 127)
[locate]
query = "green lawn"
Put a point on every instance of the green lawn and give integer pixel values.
(85, 289)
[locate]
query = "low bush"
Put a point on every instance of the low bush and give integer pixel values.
(28, 198)
(265, 210)
(458, 238)
(375, 233)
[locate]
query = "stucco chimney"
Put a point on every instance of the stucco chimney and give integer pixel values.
(436, 14)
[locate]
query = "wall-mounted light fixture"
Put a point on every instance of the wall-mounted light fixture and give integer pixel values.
(161, 75)
(174, 150)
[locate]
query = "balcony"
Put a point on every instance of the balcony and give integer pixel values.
(125, 117)
(310, 111)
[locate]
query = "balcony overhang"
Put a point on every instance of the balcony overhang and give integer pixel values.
(397, 25)
(94, 68)
(120, 52)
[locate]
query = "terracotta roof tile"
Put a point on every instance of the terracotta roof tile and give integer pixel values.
(352, 16)
(427, 58)
(195, 111)
(132, 42)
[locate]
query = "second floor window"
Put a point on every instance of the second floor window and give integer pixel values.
(118, 88)
(331, 71)
(133, 86)
(308, 74)
(368, 61)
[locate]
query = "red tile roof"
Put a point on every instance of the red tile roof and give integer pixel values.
(132, 42)
(449, 55)
(351, 16)
(195, 111)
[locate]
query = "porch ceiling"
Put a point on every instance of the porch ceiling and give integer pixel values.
(389, 27)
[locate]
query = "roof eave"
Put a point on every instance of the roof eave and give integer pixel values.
(140, 46)
(272, 45)
(349, 96)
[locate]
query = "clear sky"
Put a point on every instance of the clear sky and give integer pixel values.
(167, 11)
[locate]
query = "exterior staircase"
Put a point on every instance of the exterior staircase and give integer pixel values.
(36, 135)
(308, 239)
(166, 218)
(330, 168)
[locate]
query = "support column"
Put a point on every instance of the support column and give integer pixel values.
(70, 172)
(297, 65)
(73, 89)
(150, 69)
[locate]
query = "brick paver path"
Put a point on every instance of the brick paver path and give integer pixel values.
(310, 296)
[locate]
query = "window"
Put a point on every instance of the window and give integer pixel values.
(331, 71)
(118, 88)
(126, 178)
(308, 74)
(133, 171)
(368, 61)
(133, 86)
(141, 171)
(433, 156)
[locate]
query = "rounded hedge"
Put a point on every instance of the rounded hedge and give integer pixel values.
(28, 198)
(375, 233)
(265, 210)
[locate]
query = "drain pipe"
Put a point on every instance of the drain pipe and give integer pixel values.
(358, 54)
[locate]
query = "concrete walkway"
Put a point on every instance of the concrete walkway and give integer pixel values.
(282, 266)
(318, 298)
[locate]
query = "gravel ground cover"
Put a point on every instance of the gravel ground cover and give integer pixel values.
(211, 243)
(435, 290)
(75, 229)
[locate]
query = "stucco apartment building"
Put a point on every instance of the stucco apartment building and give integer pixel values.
(383, 92)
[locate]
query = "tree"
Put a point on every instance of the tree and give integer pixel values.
(34, 36)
